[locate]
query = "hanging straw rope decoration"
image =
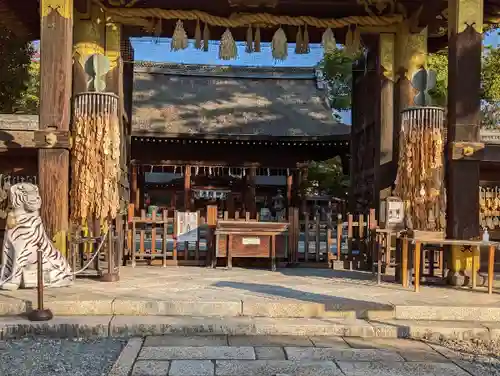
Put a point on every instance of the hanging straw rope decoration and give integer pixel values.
(349, 41)
(197, 36)
(227, 47)
(95, 158)
(206, 37)
(158, 29)
(179, 39)
(328, 41)
(305, 41)
(249, 40)
(256, 44)
(298, 41)
(421, 169)
(279, 45)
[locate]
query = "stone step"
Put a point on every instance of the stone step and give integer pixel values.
(133, 326)
(255, 308)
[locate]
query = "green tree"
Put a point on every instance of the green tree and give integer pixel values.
(337, 70)
(15, 61)
(327, 177)
(29, 101)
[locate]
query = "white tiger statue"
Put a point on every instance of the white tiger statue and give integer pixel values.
(24, 235)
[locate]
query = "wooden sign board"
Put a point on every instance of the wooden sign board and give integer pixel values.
(187, 226)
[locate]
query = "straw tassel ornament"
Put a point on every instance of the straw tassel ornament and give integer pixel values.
(227, 48)
(206, 37)
(179, 39)
(197, 36)
(279, 45)
(256, 44)
(328, 41)
(305, 41)
(298, 42)
(249, 44)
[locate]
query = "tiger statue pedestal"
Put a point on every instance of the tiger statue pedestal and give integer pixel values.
(24, 236)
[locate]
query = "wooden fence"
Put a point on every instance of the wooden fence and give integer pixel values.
(309, 242)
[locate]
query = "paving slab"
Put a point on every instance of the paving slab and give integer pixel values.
(269, 341)
(410, 350)
(270, 353)
(151, 368)
(231, 293)
(333, 342)
(126, 359)
(126, 326)
(429, 330)
(177, 307)
(274, 367)
(191, 352)
(191, 368)
(352, 355)
(400, 369)
(61, 327)
(186, 340)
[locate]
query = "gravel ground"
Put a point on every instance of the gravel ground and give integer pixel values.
(53, 357)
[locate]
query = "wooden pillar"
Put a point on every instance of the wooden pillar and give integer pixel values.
(56, 35)
(187, 188)
(134, 189)
(388, 166)
(464, 83)
(251, 183)
(289, 189)
(303, 193)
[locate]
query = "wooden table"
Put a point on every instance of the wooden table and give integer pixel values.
(248, 239)
(417, 254)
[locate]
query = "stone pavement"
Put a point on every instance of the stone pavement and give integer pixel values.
(218, 355)
(194, 291)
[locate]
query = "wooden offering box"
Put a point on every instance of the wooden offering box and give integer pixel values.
(248, 239)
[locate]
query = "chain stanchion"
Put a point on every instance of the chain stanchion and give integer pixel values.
(111, 275)
(41, 313)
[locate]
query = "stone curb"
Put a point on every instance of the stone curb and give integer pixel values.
(139, 326)
(251, 308)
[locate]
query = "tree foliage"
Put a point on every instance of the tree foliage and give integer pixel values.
(337, 70)
(327, 177)
(15, 61)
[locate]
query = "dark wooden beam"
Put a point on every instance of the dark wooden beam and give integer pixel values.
(42, 139)
(55, 104)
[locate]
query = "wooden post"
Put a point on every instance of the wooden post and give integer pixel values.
(187, 188)
(289, 185)
(464, 84)
(388, 168)
(56, 36)
(134, 190)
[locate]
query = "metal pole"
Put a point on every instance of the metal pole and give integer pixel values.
(40, 314)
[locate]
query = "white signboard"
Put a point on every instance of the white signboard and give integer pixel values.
(250, 241)
(187, 226)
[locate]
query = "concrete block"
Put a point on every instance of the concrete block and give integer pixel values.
(270, 353)
(126, 359)
(191, 352)
(447, 313)
(250, 340)
(191, 368)
(186, 340)
(151, 368)
(274, 367)
(400, 369)
(176, 308)
(350, 355)
(58, 327)
(267, 308)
